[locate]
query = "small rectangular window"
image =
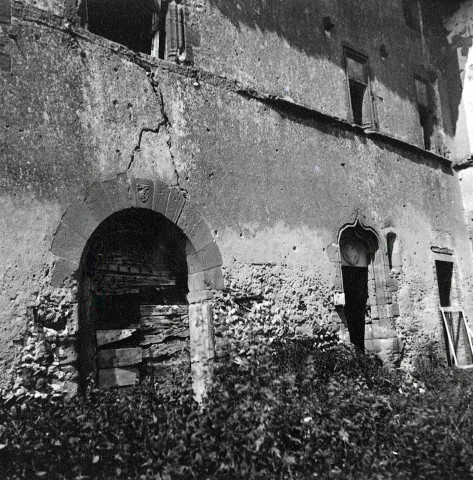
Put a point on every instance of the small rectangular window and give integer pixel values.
(426, 111)
(126, 22)
(361, 105)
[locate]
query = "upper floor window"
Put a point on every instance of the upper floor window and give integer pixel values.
(425, 106)
(362, 110)
(156, 27)
(411, 13)
(122, 21)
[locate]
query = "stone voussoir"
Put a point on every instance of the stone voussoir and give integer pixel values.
(206, 259)
(79, 219)
(97, 202)
(63, 272)
(188, 220)
(201, 236)
(161, 195)
(176, 202)
(67, 244)
(207, 279)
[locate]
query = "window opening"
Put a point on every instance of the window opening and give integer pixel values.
(156, 27)
(359, 90)
(123, 21)
(390, 240)
(357, 249)
(424, 96)
(411, 12)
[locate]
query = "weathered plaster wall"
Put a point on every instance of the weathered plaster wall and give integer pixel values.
(282, 191)
(458, 22)
(273, 185)
(282, 48)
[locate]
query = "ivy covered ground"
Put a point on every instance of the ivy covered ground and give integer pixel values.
(295, 409)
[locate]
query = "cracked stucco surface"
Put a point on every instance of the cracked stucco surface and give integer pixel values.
(272, 187)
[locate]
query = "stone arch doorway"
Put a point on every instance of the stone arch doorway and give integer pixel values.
(358, 247)
(107, 207)
(133, 301)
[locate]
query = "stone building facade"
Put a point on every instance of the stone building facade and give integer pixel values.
(177, 173)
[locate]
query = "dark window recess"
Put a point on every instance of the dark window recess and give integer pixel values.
(5, 59)
(390, 240)
(444, 280)
(411, 12)
(362, 110)
(156, 27)
(357, 99)
(5, 11)
(122, 21)
(425, 95)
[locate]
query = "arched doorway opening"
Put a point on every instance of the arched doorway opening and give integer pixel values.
(358, 246)
(133, 312)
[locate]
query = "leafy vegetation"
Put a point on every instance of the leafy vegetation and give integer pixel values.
(285, 410)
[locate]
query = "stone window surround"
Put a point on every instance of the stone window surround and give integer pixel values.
(204, 260)
(349, 52)
(173, 38)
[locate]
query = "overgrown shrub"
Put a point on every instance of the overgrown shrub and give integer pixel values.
(287, 410)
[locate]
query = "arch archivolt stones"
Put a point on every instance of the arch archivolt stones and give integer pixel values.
(102, 199)
(204, 260)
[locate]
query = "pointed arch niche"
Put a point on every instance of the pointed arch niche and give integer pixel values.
(145, 263)
(363, 286)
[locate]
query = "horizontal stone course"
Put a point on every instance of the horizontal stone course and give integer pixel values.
(208, 279)
(198, 296)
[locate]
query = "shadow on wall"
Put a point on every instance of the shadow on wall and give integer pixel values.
(294, 22)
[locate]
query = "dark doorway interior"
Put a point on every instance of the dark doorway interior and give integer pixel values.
(444, 280)
(355, 284)
(357, 249)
